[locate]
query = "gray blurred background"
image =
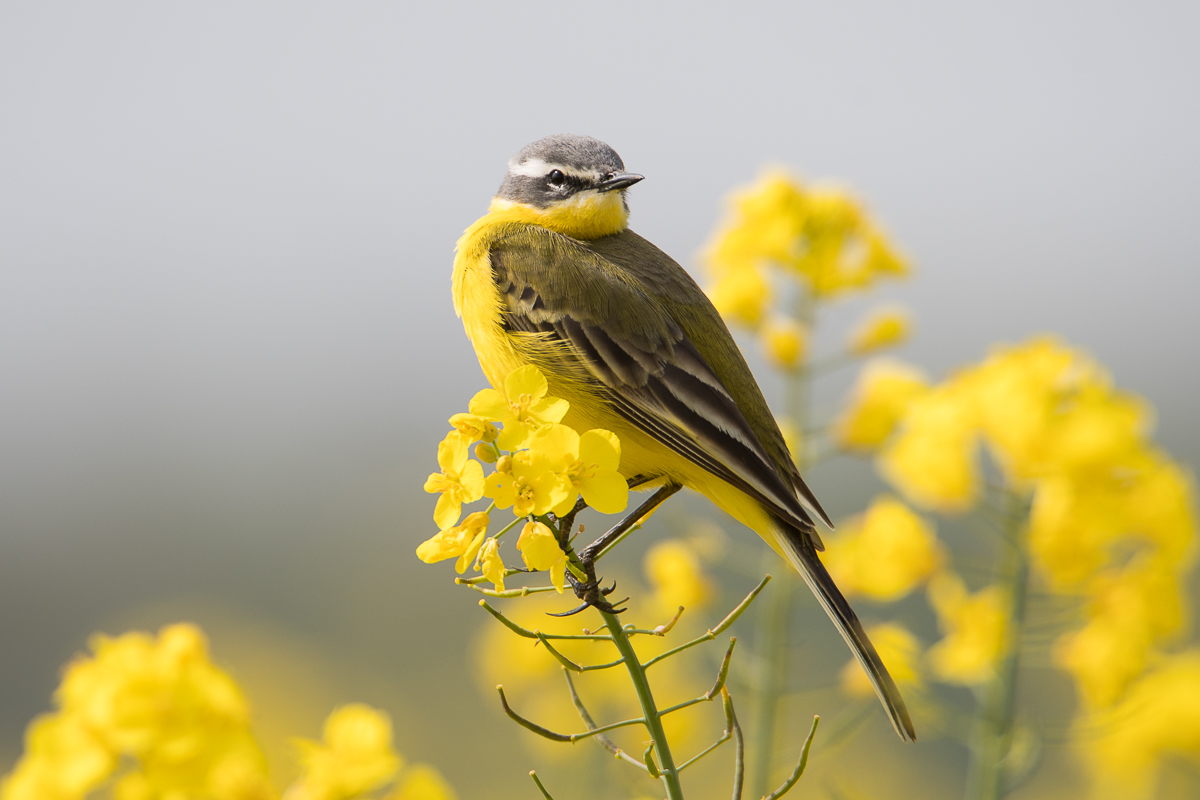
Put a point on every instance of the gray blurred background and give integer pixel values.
(227, 346)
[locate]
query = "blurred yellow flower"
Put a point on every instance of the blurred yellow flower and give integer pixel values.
(1158, 718)
(1131, 611)
(180, 725)
(460, 481)
(932, 459)
(741, 295)
(540, 551)
(422, 782)
(63, 758)
(785, 342)
(1046, 409)
(675, 573)
(521, 409)
(1071, 525)
(354, 755)
(975, 628)
(900, 652)
(1080, 519)
(819, 234)
(882, 393)
(884, 327)
(461, 541)
(884, 553)
(1160, 507)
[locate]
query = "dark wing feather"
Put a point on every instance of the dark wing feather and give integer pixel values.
(642, 362)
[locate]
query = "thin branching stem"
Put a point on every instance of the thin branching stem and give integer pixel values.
(739, 746)
(605, 742)
(524, 591)
(720, 628)
(541, 788)
(726, 735)
(562, 737)
(568, 663)
(525, 633)
(799, 770)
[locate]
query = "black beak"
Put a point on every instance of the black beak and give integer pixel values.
(618, 180)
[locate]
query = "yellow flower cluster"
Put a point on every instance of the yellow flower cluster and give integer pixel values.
(1158, 716)
(541, 467)
(819, 234)
(885, 553)
(1111, 518)
(820, 240)
(158, 705)
(154, 719)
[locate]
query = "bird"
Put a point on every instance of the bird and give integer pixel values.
(552, 276)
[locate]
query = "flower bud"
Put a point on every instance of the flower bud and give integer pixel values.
(786, 343)
(885, 327)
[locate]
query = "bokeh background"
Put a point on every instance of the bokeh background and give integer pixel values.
(227, 346)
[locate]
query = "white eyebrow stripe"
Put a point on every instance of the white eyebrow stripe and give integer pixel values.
(537, 168)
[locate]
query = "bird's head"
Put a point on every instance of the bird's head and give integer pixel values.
(574, 185)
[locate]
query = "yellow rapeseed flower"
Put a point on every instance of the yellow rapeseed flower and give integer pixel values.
(785, 341)
(159, 705)
(422, 782)
(1159, 718)
(880, 397)
(1072, 524)
(819, 234)
(521, 409)
(540, 551)
(63, 759)
(490, 563)
(975, 629)
(460, 481)
(677, 576)
(900, 652)
(462, 541)
(354, 755)
(474, 428)
(534, 486)
(1081, 519)
(932, 459)
(885, 553)
(883, 328)
(591, 463)
(1131, 611)
(1160, 507)
(741, 295)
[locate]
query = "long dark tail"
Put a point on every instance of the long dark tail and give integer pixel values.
(804, 558)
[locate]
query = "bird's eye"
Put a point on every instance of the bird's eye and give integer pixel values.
(556, 178)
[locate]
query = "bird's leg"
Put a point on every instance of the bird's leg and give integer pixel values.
(589, 590)
(567, 521)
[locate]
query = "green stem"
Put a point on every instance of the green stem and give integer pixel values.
(774, 623)
(637, 673)
(774, 619)
(994, 728)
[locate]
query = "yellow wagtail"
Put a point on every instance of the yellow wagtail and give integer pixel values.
(552, 276)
